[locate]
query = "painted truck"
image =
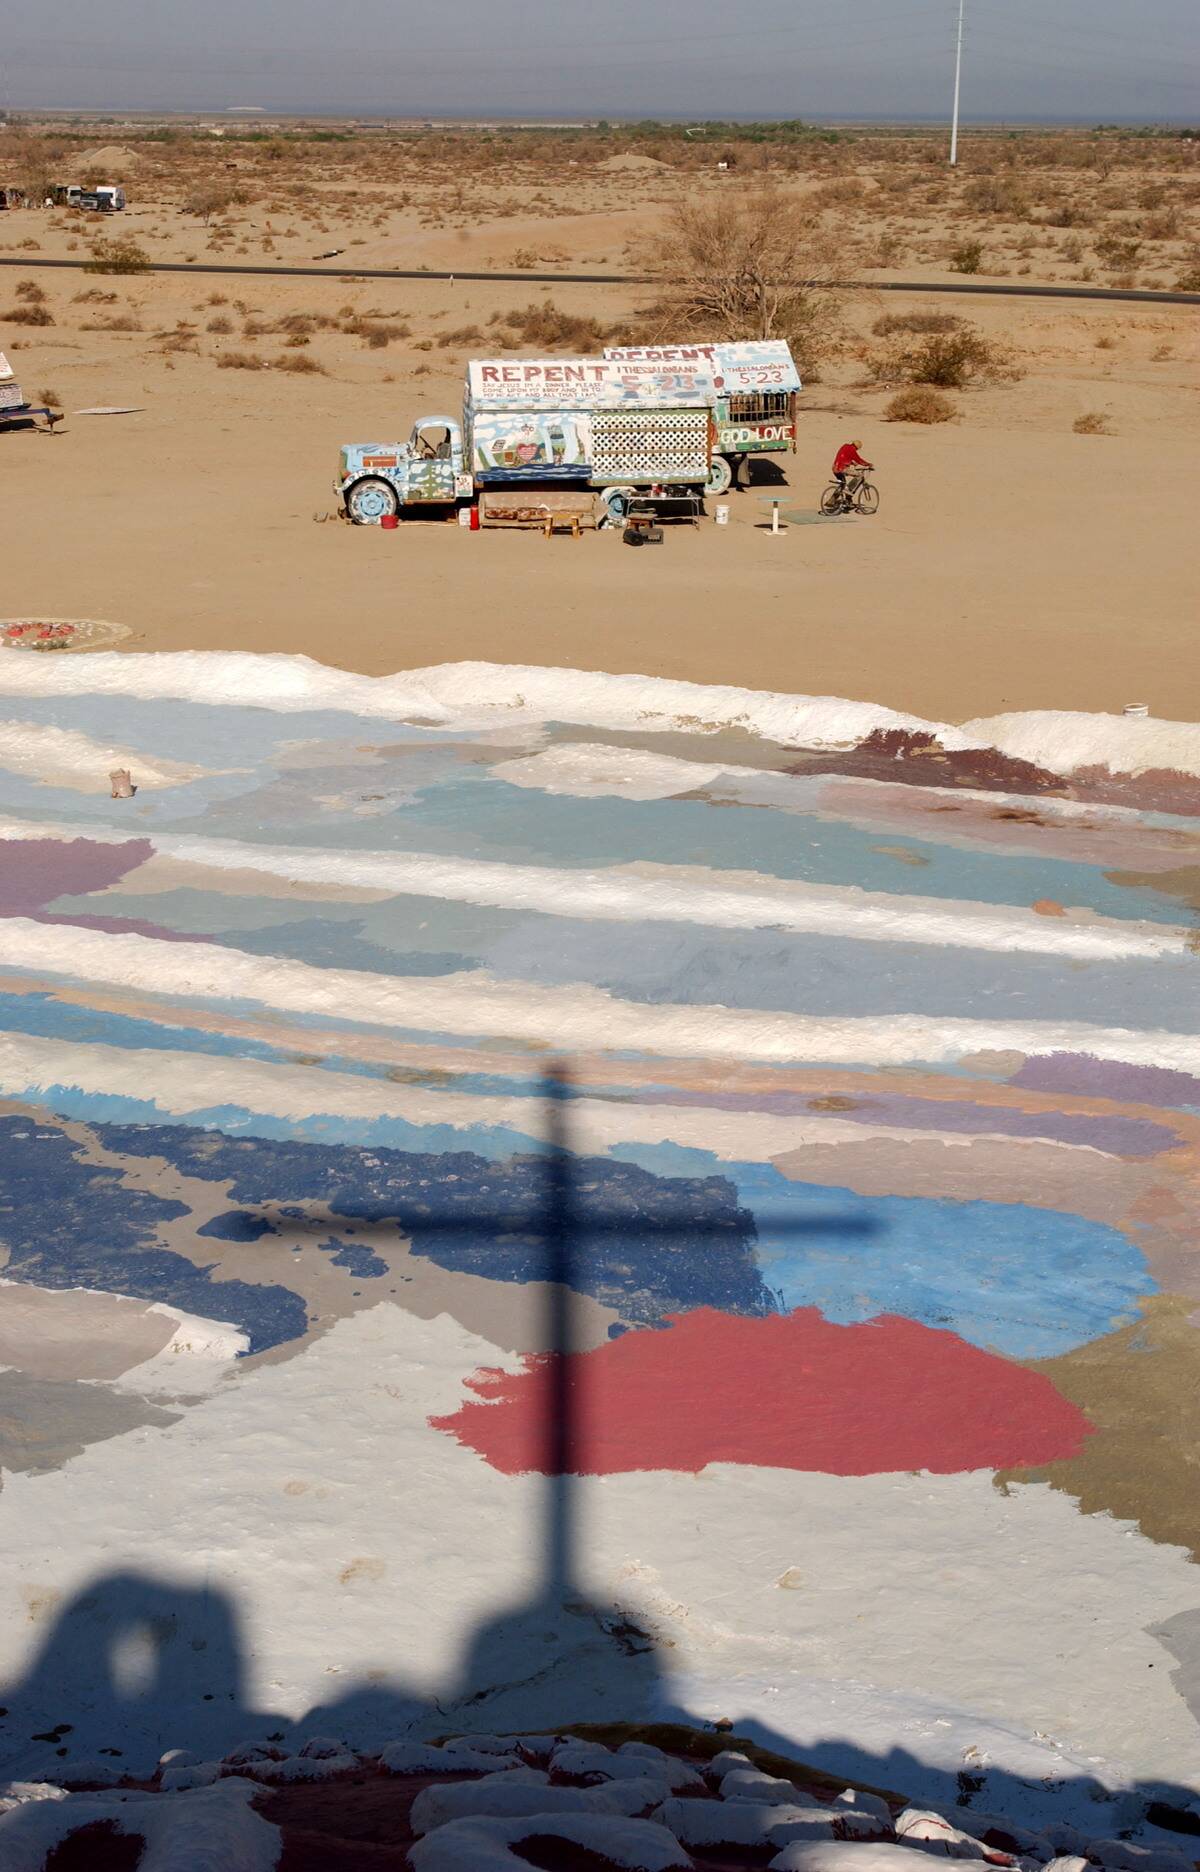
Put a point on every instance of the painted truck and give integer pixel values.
(754, 386)
(584, 422)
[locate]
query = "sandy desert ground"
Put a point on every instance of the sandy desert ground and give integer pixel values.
(1014, 562)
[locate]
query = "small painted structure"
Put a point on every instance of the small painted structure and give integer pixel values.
(586, 422)
(14, 406)
(753, 391)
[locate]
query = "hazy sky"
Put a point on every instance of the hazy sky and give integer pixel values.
(1089, 59)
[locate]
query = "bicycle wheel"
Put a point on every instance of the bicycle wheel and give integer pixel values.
(831, 499)
(867, 498)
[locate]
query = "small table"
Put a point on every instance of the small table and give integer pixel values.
(773, 502)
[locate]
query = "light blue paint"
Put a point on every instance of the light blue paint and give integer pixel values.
(1031, 1283)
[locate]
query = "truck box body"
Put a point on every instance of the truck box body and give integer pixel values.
(586, 420)
(751, 388)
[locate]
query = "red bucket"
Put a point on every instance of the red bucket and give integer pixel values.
(390, 521)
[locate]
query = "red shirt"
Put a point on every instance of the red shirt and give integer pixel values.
(848, 457)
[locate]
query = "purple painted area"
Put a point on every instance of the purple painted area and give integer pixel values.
(1088, 1077)
(1120, 1137)
(33, 872)
(124, 926)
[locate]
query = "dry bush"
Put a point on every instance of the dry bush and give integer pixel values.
(967, 257)
(94, 296)
(947, 360)
(920, 404)
(546, 328)
(1118, 251)
(50, 399)
(30, 291)
(1189, 279)
(465, 335)
(997, 195)
(241, 360)
(1094, 422)
(220, 325)
(755, 263)
(119, 256)
(893, 322)
(114, 322)
(28, 315)
(297, 366)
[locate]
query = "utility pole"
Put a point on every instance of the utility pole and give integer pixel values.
(957, 85)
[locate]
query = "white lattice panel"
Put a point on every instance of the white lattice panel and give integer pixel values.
(639, 445)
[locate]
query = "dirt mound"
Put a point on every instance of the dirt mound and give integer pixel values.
(117, 158)
(629, 164)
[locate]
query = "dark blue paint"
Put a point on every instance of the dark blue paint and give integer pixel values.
(68, 1223)
(235, 1225)
(477, 1216)
(353, 1256)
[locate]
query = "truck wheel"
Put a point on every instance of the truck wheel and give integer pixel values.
(720, 476)
(370, 499)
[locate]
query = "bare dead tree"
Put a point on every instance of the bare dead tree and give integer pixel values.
(755, 263)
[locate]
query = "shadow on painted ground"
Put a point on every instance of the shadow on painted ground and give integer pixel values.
(136, 1664)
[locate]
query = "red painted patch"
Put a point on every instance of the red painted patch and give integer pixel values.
(787, 1392)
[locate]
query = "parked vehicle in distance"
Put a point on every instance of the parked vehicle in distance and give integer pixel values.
(106, 198)
(588, 422)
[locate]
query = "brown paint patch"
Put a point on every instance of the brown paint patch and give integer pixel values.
(366, 1567)
(834, 1102)
(1183, 883)
(901, 853)
(1046, 906)
(74, 1334)
(1140, 1386)
(40, 1602)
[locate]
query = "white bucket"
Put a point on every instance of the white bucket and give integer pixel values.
(464, 516)
(722, 516)
(1136, 708)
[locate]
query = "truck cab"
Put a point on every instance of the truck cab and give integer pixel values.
(379, 478)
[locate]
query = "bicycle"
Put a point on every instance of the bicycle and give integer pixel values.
(858, 496)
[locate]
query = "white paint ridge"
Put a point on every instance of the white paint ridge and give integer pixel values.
(64, 757)
(577, 1017)
(476, 694)
(194, 1359)
(645, 892)
(183, 1086)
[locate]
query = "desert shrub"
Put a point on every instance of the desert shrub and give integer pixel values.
(94, 296)
(115, 322)
(28, 315)
(967, 257)
(119, 256)
(297, 339)
(220, 325)
(30, 291)
(241, 360)
(997, 195)
(525, 259)
(1118, 252)
(1189, 279)
(544, 326)
(298, 365)
(919, 404)
(50, 399)
(1093, 422)
(379, 333)
(947, 360)
(208, 199)
(893, 322)
(465, 335)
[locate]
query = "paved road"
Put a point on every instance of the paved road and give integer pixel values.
(624, 279)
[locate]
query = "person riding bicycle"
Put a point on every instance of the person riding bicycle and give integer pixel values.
(847, 458)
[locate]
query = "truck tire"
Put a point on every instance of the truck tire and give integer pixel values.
(368, 500)
(720, 476)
